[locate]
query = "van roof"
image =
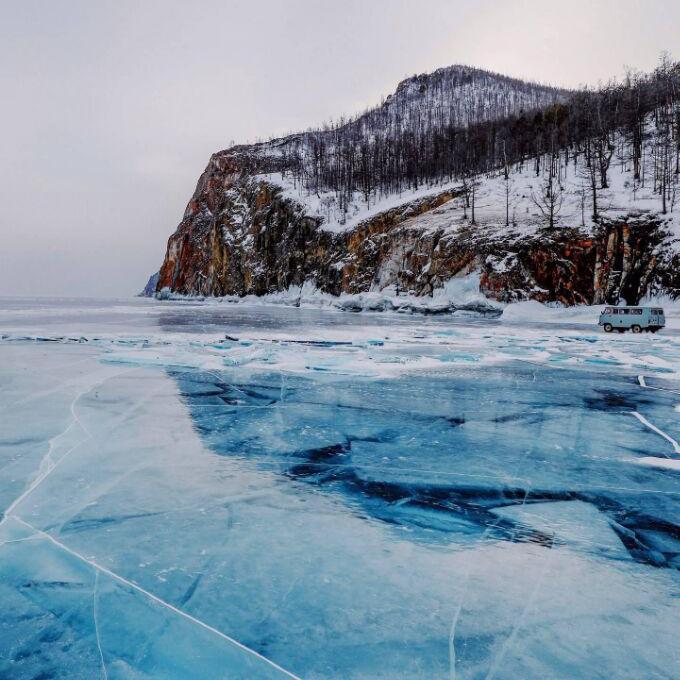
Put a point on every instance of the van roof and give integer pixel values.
(634, 307)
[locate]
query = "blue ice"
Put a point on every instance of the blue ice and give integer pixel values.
(169, 516)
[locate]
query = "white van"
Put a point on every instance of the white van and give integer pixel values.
(636, 319)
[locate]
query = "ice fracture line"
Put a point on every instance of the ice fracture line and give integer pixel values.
(95, 595)
(154, 598)
(643, 383)
(47, 466)
(654, 428)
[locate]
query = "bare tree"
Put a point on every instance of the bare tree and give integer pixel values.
(549, 200)
(588, 172)
(506, 179)
(473, 195)
(466, 186)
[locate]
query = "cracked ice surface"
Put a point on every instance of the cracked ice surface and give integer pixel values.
(390, 498)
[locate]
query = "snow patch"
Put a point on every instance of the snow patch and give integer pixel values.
(663, 463)
(326, 206)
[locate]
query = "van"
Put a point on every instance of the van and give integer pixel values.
(636, 319)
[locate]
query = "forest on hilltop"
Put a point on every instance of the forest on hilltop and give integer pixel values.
(459, 123)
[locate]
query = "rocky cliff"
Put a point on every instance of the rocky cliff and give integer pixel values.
(251, 229)
(150, 289)
(241, 235)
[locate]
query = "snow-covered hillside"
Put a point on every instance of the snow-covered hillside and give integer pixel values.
(341, 165)
(460, 95)
(516, 203)
(339, 216)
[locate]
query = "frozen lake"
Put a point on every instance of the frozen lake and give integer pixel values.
(206, 490)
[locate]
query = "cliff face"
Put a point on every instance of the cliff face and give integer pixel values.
(240, 235)
(620, 262)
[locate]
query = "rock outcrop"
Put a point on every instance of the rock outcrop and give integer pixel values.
(150, 289)
(240, 235)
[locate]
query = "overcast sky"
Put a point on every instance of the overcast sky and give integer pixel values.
(111, 109)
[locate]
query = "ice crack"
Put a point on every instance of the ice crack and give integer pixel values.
(47, 464)
(130, 584)
(654, 428)
(95, 593)
(643, 383)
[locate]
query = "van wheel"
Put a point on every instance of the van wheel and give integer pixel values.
(636, 329)
(608, 328)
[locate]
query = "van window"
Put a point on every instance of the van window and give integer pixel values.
(636, 311)
(658, 312)
(615, 311)
(625, 311)
(607, 310)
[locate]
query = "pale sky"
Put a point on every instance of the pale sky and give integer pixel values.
(111, 109)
